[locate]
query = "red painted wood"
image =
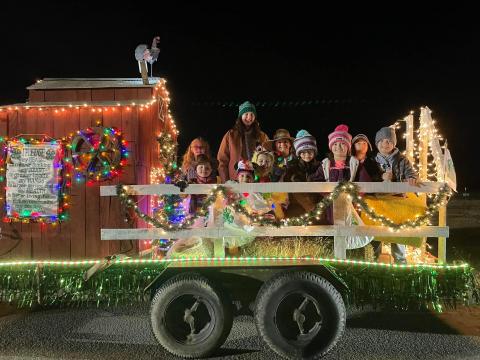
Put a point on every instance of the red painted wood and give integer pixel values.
(126, 94)
(103, 94)
(145, 93)
(84, 95)
(36, 96)
(66, 95)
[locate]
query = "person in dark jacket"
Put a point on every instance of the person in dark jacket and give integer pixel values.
(283, 151)
(368, 168)
(396, 167)
(298, 170)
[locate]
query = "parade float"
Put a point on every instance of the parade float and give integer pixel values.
(92, 209)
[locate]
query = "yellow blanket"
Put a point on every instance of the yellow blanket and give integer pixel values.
(398, 209)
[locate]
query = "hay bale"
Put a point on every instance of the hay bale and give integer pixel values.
(289, 247)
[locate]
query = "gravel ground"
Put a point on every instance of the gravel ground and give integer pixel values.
(125, 334)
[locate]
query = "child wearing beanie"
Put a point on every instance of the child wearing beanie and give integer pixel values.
(338, 165)
(299, 169)
(395, 166)
(368, 168)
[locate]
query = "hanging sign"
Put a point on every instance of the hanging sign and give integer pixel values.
(33, 187)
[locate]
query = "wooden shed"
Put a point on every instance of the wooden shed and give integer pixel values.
(60, 107)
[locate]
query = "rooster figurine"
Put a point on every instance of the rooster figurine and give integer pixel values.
(143, 55)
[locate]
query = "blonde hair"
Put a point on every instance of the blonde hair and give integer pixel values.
(189, 158)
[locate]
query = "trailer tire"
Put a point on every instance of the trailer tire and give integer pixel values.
(190, 317)
(292, 302)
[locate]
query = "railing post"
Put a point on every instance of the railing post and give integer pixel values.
(340, 211)
(215, 219)
(442, 241)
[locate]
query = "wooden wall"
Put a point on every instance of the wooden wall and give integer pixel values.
(79, 238)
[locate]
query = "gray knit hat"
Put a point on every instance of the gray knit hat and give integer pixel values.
(386, 133)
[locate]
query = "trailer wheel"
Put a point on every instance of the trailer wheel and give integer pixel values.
(190, 317)
(300, 315)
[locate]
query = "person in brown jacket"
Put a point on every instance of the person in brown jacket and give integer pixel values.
(240, 141)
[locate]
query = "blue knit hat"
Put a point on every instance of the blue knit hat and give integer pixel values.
(247, 106)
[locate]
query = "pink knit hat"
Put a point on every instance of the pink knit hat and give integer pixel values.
(340, 134)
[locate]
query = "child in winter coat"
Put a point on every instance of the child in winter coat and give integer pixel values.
(204, 174)
(339, 165)
(298, 170)
(396, 167)
(263, 163)
(283, 151)
(368, 168)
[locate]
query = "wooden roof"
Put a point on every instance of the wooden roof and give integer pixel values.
(91, 83)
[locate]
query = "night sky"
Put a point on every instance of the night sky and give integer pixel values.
(354, 65)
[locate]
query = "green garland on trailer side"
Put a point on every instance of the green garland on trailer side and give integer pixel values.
(383, 286)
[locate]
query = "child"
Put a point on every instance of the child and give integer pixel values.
(338, 165)
(254, 203)
(282, 145)
(368, 168)
(396, 167)
(203, 175)
(263, 164)
(299, 169)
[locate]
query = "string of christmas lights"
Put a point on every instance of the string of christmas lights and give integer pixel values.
(61, 163)
(98, 153)
(351, 189)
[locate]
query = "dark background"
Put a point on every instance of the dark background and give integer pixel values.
(365, 67)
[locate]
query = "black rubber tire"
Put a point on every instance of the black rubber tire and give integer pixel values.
(169, 326)
(275, 320)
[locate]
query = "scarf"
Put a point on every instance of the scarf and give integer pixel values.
(386, 162)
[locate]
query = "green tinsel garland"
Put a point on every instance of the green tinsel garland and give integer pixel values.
(416, 288)
(306, 219)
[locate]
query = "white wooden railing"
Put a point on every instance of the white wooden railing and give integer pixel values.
(340, 230)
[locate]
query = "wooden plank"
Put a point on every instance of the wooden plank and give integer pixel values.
(36, 96)
(60, 95)
(84, 95)
(112, 118)
(14, 123)
(3, 123)
(340, 210)
(442, 240)
(93, 246)
(18, 240)
(73, 230)
(311, 187)
(145, 93)
(317, 230)
(45, 121)
(103, 94)
(78, 227)
(57, 242)
(130, 124)
(126, 94)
